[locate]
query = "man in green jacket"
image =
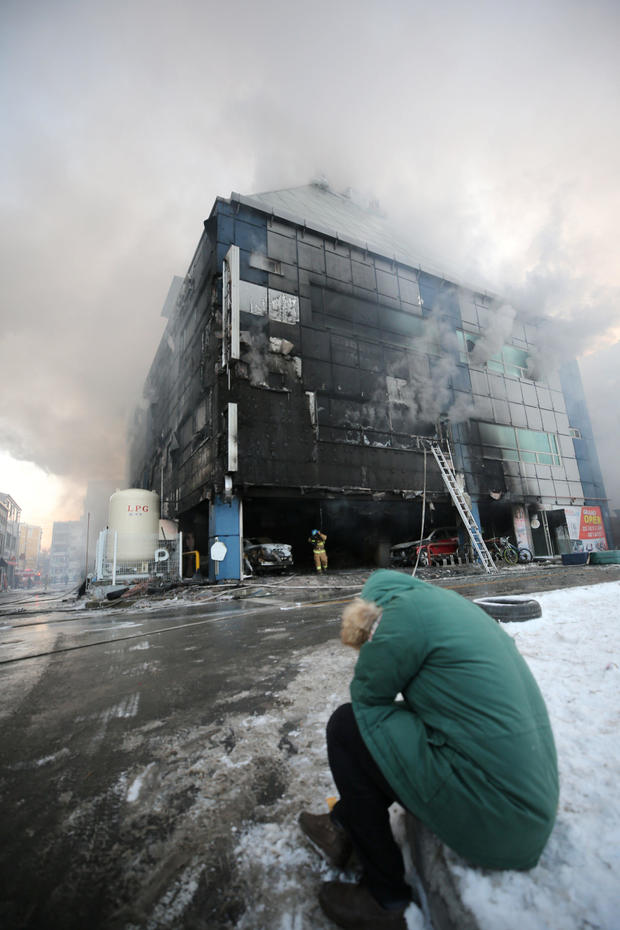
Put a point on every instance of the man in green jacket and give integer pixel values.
(447, 719)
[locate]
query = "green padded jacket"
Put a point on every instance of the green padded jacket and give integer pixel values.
(470, 750)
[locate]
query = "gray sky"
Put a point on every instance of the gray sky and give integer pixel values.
(489, 131)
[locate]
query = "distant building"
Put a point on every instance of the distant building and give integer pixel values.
(67, 554)
(29, 547)
(10, 513)
(4, 519)
(4, 567)
(308, 358)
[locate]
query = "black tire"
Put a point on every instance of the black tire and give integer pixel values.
(510, 609)
(511, 556)
(525, 556)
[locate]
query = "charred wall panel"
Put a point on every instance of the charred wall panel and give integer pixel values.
(358, 356)
(276, 438)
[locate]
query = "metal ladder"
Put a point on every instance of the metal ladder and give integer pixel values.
(446, 467)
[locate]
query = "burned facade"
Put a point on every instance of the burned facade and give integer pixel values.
(306, 359)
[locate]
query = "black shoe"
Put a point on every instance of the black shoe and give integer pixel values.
(353, 907)
(330, 838)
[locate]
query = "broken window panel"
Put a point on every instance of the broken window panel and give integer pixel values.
(283, 307)
(509, 361)
(252, 298)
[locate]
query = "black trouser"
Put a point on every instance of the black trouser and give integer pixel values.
(362, 810)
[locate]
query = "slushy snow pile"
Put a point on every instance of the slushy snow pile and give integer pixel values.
(574, 653)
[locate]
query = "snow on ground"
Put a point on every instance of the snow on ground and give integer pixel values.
(280, 872)
(574, 652)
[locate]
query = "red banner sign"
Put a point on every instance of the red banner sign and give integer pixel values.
(591, 525)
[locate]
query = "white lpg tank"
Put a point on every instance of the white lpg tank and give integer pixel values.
(134, 514)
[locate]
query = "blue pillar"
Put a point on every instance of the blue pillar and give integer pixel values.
(475, 512)
(464, 535)
(462, 532)
(225, 525)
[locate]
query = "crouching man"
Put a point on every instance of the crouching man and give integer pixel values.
(467, 747)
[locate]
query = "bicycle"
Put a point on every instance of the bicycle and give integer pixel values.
(525, 555)
(501, 548)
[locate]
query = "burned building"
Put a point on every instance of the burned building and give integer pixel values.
(307, 359)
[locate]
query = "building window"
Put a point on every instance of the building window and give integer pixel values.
(518, 445)
(200, 416)
(276, 380)
(575, 433)
(509, 361)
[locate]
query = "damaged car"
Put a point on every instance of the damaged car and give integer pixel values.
(262, 554)
(440, 543)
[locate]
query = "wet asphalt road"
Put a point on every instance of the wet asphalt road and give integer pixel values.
(109, 718)
(93, 701)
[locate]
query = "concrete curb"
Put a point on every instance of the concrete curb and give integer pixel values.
(447, 910)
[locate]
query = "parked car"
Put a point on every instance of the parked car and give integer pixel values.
(440, 542)
(262, 554)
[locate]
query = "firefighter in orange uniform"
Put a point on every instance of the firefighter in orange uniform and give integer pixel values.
(317, 541)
